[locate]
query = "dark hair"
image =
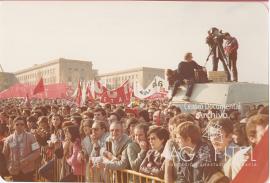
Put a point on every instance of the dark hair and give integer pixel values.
(103, 112)
(43, 119)
(160, 132)
(234, 116)
(264, 110)
(102, 125)
(120, 112)
(19, 118)
(27, 111)
(107, 106)
(89, 123)
(88, 114)
(226, 124)
(77, 119)
(227, 34)
(32, 119)
(131, 121)
(240, 129)
(143, 126)
(3, 129)
(145, 115)
(61, 122)
(180, 118)
(189, 129)
(74, 132)
(177, 109)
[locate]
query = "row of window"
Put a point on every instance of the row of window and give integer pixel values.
(44, 72)
(121, 78)
(49, 80)
(75, 69)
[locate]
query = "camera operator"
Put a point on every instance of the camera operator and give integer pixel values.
(215, 42)
(231, 47)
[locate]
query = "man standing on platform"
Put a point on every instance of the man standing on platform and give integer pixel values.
(231, 47)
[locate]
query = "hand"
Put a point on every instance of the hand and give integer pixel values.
(143, 145)
(108, 155)
(80, 157)
(91, 164)
(93, 139)
(100, 165)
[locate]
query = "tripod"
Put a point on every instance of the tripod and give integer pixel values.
(221, 57)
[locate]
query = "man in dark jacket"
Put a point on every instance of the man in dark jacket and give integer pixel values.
(186, 75)
(231, 47)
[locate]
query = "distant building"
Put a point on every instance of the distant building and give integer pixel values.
(143, 75)
(58, 71)
(7, 80)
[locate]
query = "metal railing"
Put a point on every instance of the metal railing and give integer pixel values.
(128, 176)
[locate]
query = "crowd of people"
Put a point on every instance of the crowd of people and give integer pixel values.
(154, 138)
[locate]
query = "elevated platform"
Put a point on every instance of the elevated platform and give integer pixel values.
(224, 93)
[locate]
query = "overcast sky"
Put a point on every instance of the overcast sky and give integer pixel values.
(121, 35)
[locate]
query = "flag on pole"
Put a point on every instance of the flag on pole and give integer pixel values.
(89, 94)
(79, 94)
(39, 88)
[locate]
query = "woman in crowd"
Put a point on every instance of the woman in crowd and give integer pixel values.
(78, 167)
(54, 146)
(153, 164)
(42, 133)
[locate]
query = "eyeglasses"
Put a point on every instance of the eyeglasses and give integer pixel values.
(19, 124)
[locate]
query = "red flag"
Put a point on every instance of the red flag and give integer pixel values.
(120, 95)
(39, 88)
(259, 171)
(89, 94)
(79, 94)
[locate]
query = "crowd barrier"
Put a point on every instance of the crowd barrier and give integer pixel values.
(61, 169)
(130, 176)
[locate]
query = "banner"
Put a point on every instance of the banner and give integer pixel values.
(52, 91)
(118, 96)
(158, 85)
(97, 89)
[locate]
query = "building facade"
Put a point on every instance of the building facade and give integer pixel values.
(57, 71)
(142, 75)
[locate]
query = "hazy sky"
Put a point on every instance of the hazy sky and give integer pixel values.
(120, 35)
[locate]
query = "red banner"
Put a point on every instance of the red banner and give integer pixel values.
(120, 95)
(52, 91)
(258, 171)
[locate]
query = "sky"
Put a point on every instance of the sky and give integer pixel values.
(118, 35)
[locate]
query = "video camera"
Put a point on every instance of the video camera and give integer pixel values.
(215, 36)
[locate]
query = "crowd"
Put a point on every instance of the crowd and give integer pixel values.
(153, 138)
